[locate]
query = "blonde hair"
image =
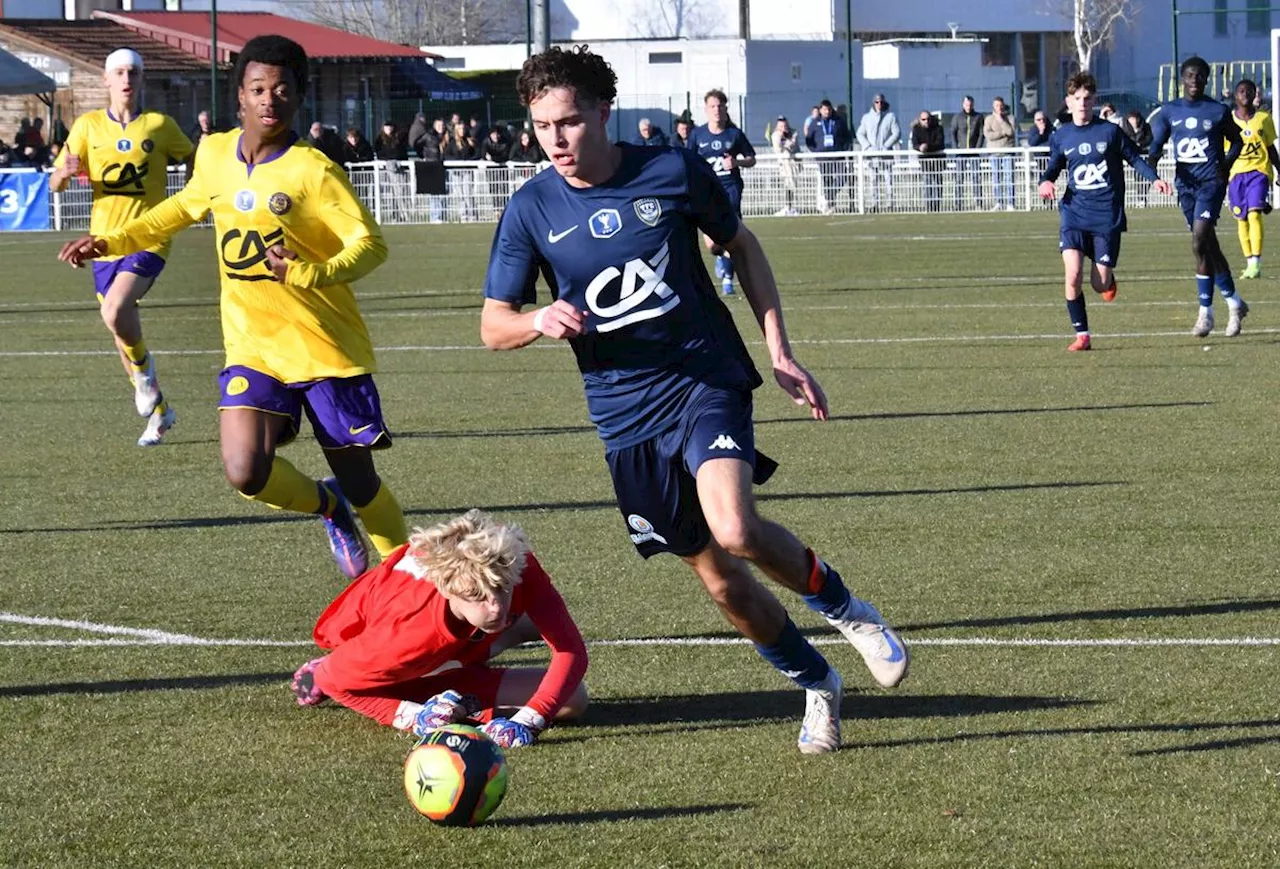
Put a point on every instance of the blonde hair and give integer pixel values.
(471, 557)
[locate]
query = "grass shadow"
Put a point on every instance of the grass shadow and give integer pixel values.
(613, 815)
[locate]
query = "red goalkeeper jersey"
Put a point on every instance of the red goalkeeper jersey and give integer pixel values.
(391, 626)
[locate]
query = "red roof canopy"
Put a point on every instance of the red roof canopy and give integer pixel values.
(191, 31)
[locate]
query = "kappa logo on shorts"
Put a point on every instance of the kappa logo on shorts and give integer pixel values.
(279, 203)
(246, 200)
(649, 210)
(237, 385)
(643, 529)
(724, 442)
(1105, 258)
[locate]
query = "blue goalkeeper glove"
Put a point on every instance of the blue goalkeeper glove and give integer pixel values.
(517, 731)
(447, 707)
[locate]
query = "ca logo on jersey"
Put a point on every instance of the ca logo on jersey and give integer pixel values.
(126, 181)
(1090, 176)
(251, 252)
(605, 223)
(636, 283)
(1192, 151)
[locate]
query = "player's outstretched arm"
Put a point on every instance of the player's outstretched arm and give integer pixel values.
(1160, 132)
(761, 290)
(363, 248)
(158, 225)
(86, 247)
(503, 326)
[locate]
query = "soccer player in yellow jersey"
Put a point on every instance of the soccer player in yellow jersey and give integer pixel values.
(125, 152)
(1250, 179)
(291, 236)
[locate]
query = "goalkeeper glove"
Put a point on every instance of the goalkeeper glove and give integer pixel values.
(447, 707)
(517, 731)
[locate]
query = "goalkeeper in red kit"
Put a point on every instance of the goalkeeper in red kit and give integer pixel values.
(411, 639)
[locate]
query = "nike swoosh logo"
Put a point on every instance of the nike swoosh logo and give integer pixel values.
(1069, 151)
(553, 237)
(355, 431)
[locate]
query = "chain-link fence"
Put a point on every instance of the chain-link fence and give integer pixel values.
(858, 182)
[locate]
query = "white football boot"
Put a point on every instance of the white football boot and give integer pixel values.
(820, 733)
(161, 421)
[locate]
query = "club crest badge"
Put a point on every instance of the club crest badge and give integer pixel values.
(279, 203)
(605, 223)
(148, 146)
(649, 210)
(1100, 147)
(245, 200)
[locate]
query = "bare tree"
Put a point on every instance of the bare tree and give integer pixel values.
(425, 22)
(668, 19)
(1094, 24)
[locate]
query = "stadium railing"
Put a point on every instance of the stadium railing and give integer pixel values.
(856, 182)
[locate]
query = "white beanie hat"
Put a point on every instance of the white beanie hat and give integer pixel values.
(123, 57)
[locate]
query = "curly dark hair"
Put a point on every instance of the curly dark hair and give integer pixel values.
(583, 71)
(1082, 80)
(274, 51)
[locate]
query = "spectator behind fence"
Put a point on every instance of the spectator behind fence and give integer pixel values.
(201, 128)
(1108, 113)
(418, 132)
(356, 149)
(784, 144)
(526, 149)
(829, 134)
(1038, 135)
(808, 124)
(325, 141)
(650, 135)
(966, 133)
(928, 141)
(879, 131)
(683, 128)
(429, 145)
(390, 145)
(1139, 131)
(496, 147)
(460, 146)
(1001, 134)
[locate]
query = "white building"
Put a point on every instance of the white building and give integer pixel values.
(662, 79)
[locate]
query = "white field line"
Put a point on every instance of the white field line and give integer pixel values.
(449, 348)
(126, 636)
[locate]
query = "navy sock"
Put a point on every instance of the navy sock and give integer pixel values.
(1226, 284)
(1076, 311)
(1204, 289)
(830, 597)
(795, 657)
(728, 268)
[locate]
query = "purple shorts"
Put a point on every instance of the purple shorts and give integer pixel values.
(143, 263)
(344, 411)
(1248, 192)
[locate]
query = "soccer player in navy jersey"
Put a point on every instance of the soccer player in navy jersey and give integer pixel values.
(1198, 127)
(667, 377)
(727, 150)
(1093, 152)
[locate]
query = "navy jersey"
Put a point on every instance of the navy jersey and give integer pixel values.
(1197, 129)
(713, 146)
(1094, 156)
(627, 253)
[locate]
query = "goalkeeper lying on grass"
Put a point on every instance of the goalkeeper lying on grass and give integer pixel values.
(411, 639)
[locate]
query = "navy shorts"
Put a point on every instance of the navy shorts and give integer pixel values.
(1202, 201)
(1101, 247)
(344, 411)
(655, 480)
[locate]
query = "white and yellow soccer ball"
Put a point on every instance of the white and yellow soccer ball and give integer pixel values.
(455, 776)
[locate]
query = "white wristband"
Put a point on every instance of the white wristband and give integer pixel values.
(539, 319)
(530, 719)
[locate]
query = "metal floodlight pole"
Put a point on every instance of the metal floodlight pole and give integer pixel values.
(213, 64)
(528, 29)
(848, 53)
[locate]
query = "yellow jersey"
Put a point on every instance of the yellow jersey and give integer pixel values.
(126, 163)
(308, 326)
(1259, 134)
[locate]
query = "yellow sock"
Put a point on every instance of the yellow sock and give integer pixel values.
(384, 521)
(1242, 232)
(137, 353)
(1255, 232)
(288, 488)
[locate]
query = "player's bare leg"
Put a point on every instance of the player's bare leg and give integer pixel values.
(518, 686)
(249, 438)
(378, 509)
(119, 311)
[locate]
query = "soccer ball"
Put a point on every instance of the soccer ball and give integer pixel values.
(455, 776)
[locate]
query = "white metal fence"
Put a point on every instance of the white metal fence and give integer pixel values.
(858, 182)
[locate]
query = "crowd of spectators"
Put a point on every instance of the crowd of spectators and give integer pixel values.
(31, 148)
